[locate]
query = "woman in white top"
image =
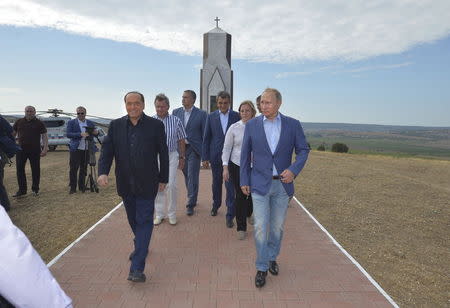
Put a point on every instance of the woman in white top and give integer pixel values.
(231, 156)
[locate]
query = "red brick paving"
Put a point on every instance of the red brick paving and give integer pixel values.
(201, 263)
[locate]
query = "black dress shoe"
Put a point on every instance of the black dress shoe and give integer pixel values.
(19, 194)
(230, 223)
(72, 191)
(273, 268)
(136, 277)
(190, 211)
(214, 212)
(260, 279)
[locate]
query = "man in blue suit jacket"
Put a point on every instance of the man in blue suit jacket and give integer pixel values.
(76, 132)
(267, 172)
(217, 125)
(193, 120)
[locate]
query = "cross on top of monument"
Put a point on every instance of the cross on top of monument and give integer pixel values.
(217, 21)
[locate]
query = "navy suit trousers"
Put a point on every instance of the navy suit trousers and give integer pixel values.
(217, 170)
(140, 217)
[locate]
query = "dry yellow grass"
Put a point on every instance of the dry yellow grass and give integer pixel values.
(392, 215)
(54, 219)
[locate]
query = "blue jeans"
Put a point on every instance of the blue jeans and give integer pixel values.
(140, 217)
(269, 212)
(191, 173)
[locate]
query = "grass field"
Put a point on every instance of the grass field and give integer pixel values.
(391, 214)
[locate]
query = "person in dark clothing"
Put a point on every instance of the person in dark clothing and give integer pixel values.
(5, 137)
(30, 130)
(135, 142)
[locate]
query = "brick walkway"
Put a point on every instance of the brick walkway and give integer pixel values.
(201, 263)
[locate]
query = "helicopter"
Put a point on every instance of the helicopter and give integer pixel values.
(55, 120)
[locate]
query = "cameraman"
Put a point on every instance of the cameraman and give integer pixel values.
(79, 156)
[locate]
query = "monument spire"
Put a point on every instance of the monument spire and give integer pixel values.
(217, 21)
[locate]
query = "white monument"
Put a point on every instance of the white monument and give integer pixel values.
(216, 74)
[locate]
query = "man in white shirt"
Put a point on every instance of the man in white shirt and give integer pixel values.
(175, 136)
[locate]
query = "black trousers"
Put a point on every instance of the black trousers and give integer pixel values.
(35, 163)
(4, 200)
(78, 161)
(243, 204)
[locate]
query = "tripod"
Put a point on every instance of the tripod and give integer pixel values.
(92, 174)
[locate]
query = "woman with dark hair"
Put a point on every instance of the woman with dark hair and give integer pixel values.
(231, 156)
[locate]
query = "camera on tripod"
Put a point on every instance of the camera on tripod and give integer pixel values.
(90, 153)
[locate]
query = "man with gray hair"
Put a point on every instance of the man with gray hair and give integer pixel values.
(30, 130)
(267, 173)
(175, 136)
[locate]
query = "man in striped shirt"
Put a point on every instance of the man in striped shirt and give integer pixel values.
(175, 135)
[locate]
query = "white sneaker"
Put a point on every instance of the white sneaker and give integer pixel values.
(157, 221)
(172, 221)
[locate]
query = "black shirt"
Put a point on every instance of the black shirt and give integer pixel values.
(29, 133)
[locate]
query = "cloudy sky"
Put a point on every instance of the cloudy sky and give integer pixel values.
(381, 62)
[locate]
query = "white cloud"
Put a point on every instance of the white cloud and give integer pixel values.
(283, 31)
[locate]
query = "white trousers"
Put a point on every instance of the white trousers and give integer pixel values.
(166, 201)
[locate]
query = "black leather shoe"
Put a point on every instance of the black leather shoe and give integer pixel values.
(189, 211)
(260, 279)
(273, 268)
(19, 194)
(136, 277)
(72, 191)
(230, 223)
(214, 212)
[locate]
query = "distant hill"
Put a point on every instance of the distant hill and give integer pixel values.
(420, 141)
(311, 126)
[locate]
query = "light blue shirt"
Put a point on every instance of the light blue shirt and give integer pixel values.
(187, 115)
(82, 125)
(224, 120)
(272, 128)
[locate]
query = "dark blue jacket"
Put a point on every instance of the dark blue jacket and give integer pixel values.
(7, 142)
(74, 133)
(214, 137)
(151, 144)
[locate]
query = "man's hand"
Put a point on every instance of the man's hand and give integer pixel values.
(181, 163)
(287, 176)
(162, 186)
(225, 173)
(245, 190)
(205, 164)
(43, 152)
(95, 132)
(84, 134)
(102, 180)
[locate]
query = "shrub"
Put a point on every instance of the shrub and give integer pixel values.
(339, 148)
(321, 147)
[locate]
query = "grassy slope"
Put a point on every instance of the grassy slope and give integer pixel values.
(391, 214)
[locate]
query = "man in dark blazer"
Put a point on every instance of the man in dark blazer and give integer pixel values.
(217, 125)
(267, 172)
(193, 120)
(135, 142)
(78, 151)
